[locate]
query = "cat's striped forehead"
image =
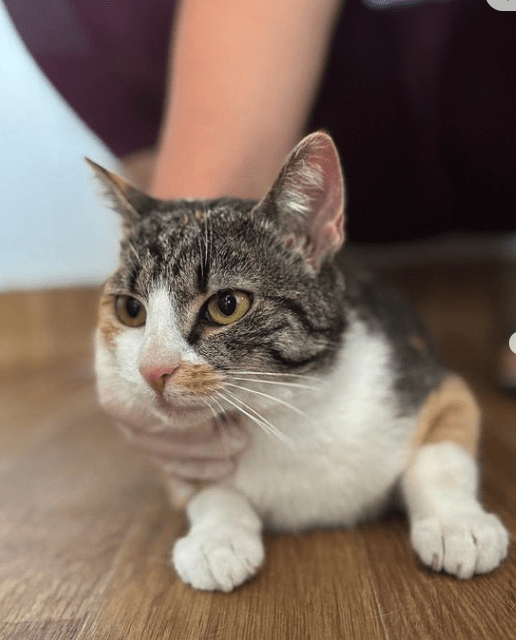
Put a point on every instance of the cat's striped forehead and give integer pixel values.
(192, 245)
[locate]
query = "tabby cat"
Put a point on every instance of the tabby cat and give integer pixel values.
(229, 314)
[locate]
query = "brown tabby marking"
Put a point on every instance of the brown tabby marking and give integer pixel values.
(108, 325)
(198, 379)
(450, 414)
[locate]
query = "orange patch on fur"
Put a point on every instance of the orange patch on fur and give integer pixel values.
(198, 379)
(199, 215)
(450, 414)
(109, 327)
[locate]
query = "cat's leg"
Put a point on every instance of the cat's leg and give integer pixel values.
(449, 528)
(224, 547)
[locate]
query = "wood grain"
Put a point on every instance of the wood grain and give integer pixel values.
(86, 530)
(45, 326)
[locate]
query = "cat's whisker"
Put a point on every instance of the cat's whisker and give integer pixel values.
(211, 232)
(295, 385)
(266, 373)
(222, 410)
(237, 407)
(200, 254)
(258, 415)
(257, 419)
(221, 421)
(131, 246)
(206, 235)
(208, 404)
(266, 395)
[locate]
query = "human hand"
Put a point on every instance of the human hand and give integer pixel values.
(194, 457)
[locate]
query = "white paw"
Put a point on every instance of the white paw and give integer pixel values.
(462, 545)
(219, 559)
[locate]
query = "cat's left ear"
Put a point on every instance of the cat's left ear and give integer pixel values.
(308, 198)
(131, 203)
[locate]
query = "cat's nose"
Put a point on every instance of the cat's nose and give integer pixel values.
(158, 376)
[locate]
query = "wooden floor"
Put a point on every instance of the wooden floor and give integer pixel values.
(85, 530)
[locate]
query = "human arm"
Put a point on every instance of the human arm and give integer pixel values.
(243, 76)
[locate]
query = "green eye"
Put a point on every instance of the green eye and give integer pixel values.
(226, 307)
(130, 311)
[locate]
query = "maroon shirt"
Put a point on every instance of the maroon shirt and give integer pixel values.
(108, 60)
(420, 99)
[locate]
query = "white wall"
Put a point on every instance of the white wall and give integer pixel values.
(54, 231)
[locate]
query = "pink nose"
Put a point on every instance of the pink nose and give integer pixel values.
(158, 376)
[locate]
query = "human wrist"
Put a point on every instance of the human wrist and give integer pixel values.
(204, 178)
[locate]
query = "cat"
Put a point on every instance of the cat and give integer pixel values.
(234, 311)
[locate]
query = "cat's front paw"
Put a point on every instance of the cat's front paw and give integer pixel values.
(219, 559)
(462, 545)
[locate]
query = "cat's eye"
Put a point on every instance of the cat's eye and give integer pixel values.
(226, 307)
(130, 311)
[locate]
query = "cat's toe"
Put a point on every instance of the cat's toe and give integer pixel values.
(218, 560)
(460, 554)
(427, 540)
(463, 545)
(492, 542)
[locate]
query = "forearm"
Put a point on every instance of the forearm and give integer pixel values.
(243, 78)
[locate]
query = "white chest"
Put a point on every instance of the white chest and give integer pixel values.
(345, 453)
(323, 483)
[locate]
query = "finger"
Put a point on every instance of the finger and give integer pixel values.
(211, 441)
(196, 470)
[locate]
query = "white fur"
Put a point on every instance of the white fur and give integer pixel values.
(340, 457)
(449, 528)
(324, 478)
(309, 177)
(223, 547)
(122, 388)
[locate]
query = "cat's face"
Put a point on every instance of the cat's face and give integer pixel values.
(209, 294)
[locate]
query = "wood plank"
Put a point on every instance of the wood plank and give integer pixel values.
(40, 327)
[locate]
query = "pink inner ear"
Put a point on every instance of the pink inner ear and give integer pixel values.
(325, 221)
(309, 198)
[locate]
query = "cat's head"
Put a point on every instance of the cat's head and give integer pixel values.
(209, 293)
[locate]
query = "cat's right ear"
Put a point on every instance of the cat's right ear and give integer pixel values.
(128, 201)
(307, 199)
